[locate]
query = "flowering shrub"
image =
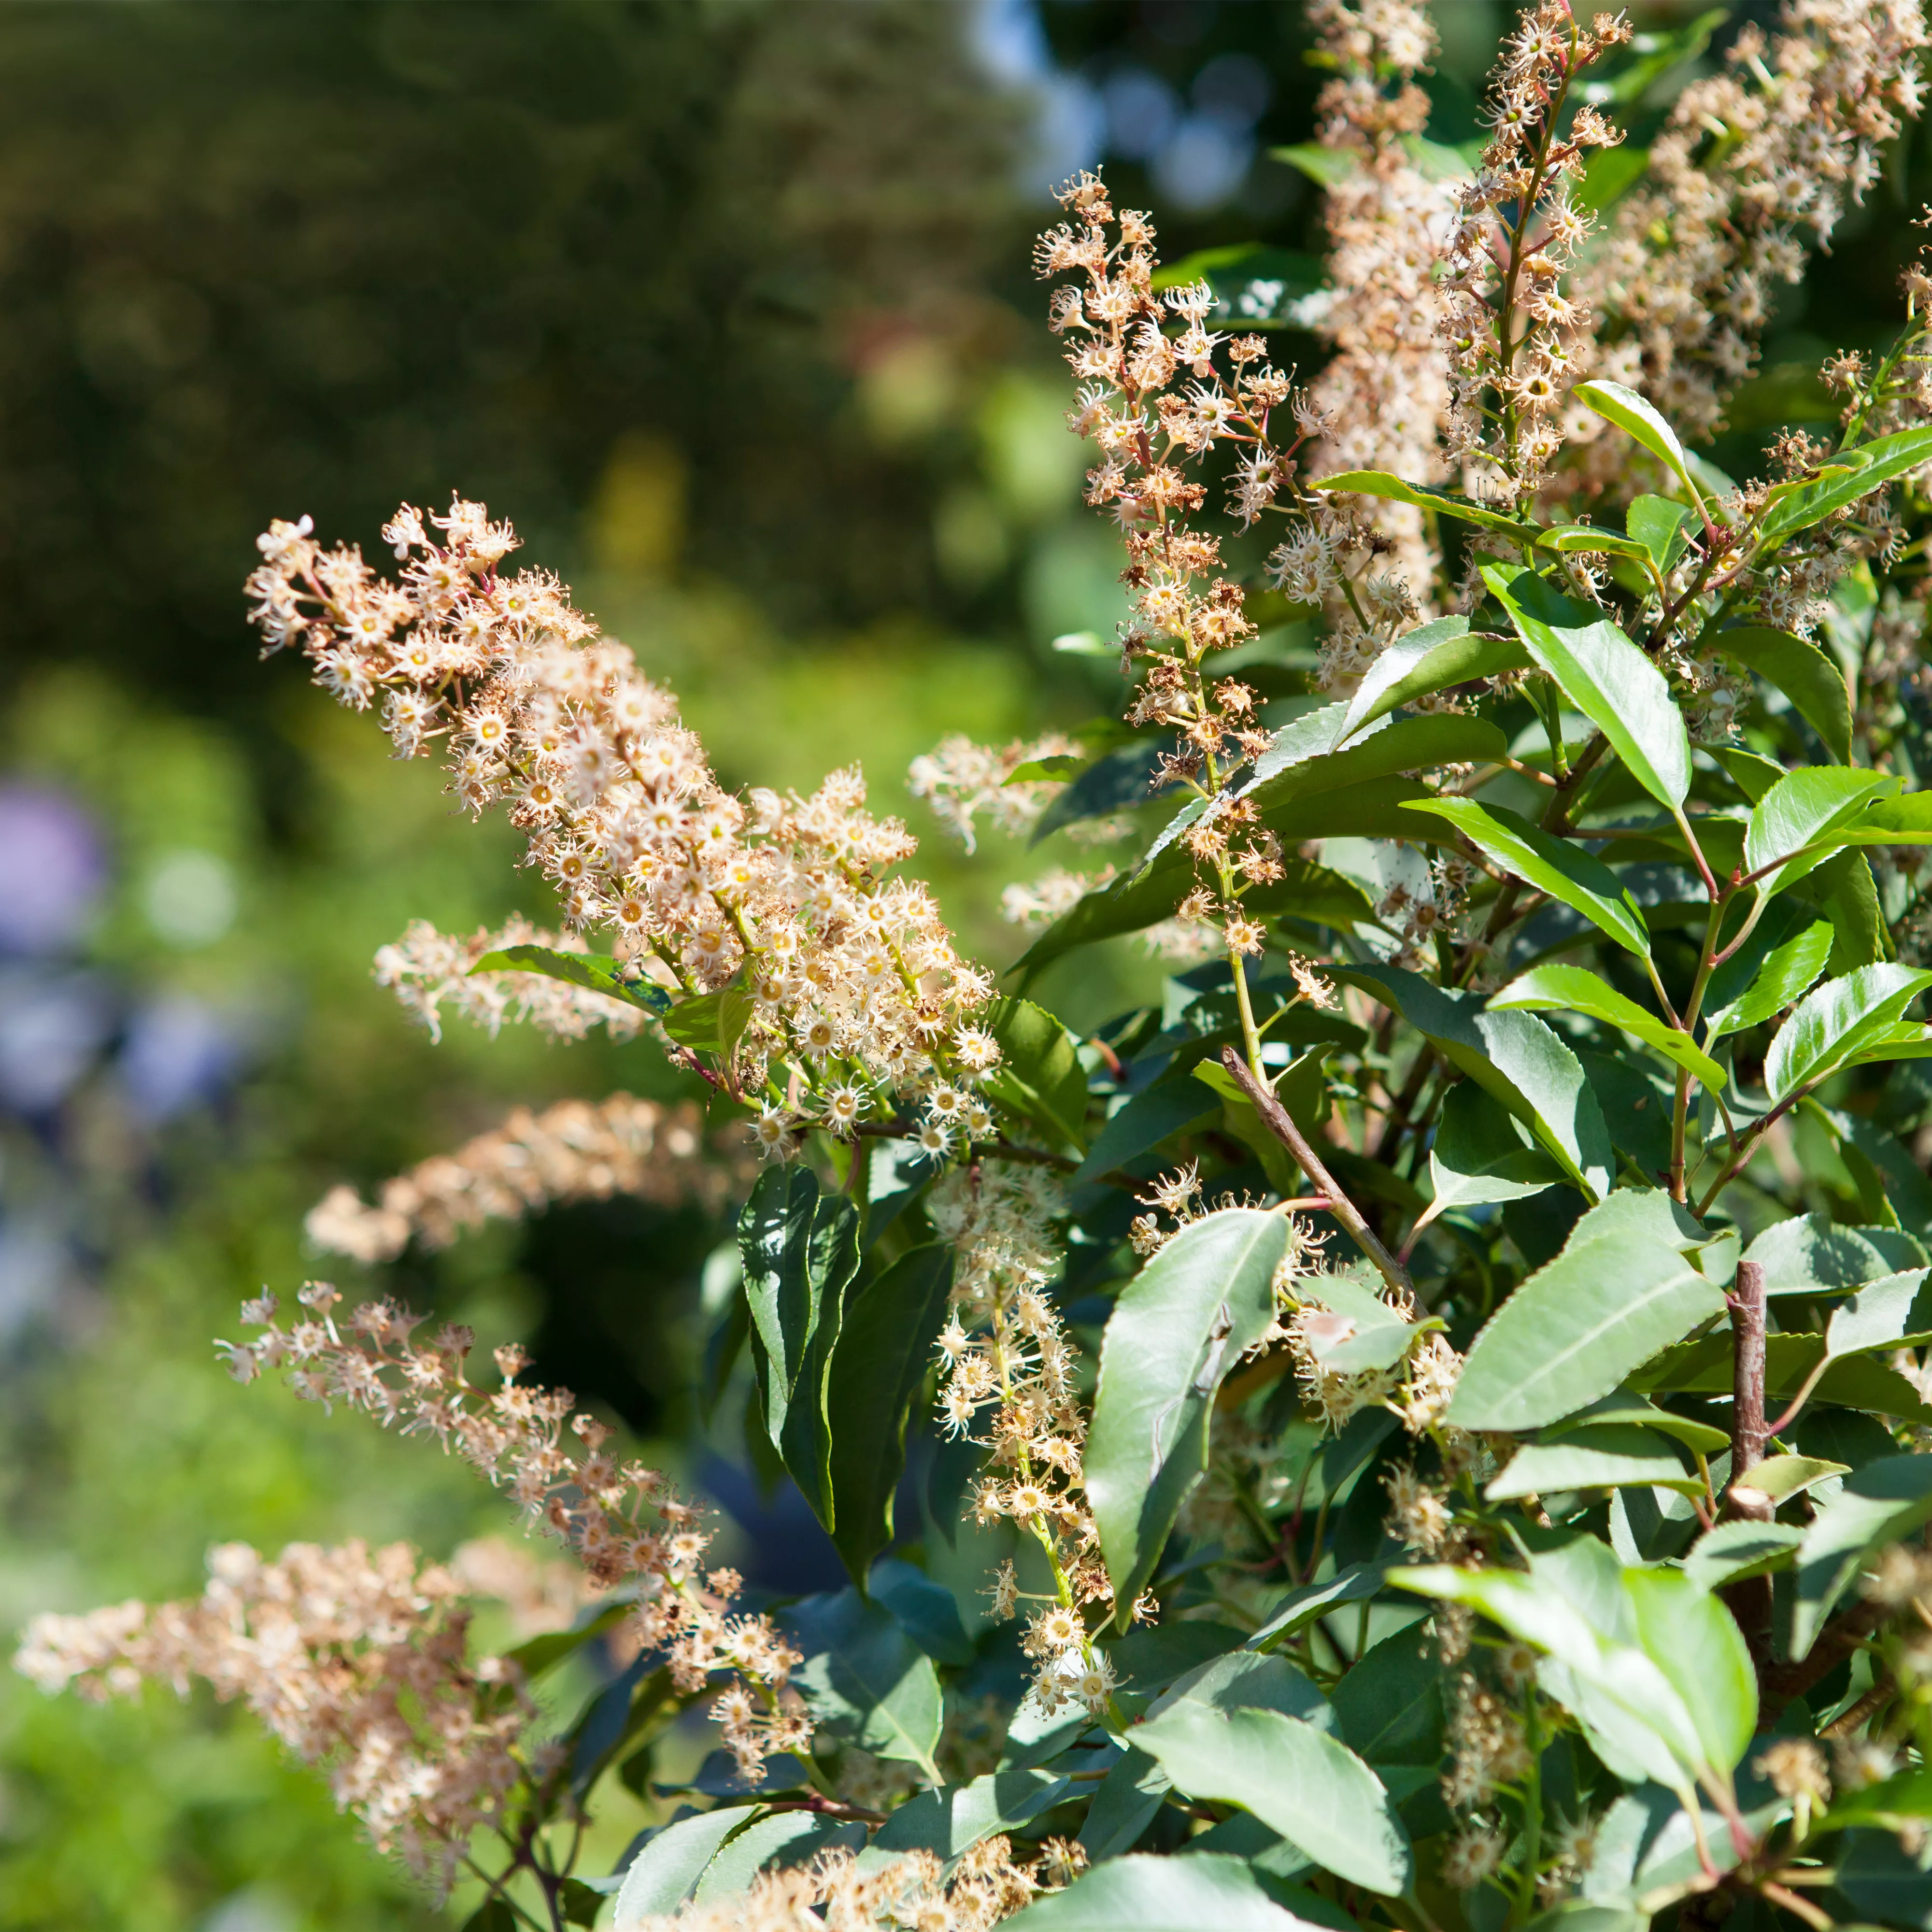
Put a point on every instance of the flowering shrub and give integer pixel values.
(1448, 1381)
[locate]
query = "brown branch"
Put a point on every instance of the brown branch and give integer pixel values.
(1746, 1301)
(1781, 1682)
(1276, 1119)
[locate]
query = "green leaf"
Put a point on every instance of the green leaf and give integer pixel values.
(1312, 1789)
(535, 1655)
(1894, 821)
(1446, 502)
(1404, 744)
(1843, 890)
(1177, 1329)
(866, 1680)
(1566, 539)
(1425, 661)
(1480, 1155)
(1862, 470)
(1810, 1254)
(1603, 1456)
(1694, 1641)
(800, 1248)
(1559, 988)
(1855, 1381)
(1057, 768)
(1367, 809)
(1609, 171)
(1836, 1021)
(1604, 675)
(1781, 1477)
(1324, 166)
(1173, 1104)
(1882, 1503)
(1661, 526)
(1389, 1708)
(712, 1022)
(878, 1367)
(1635, 417)
(1733, 1551)
(1123, 1807)
(1118, 782)
(1301, 1606)
(1040, 1075)
(1370, 1335)
(1515, 1058)
(1205, 1891)
(781, 1840)
(1883, 1882)
(1814, 685)
(1788, 972)
(1879, 1316)
(1565, 872)
(1623, 1407)
(1614, 1297)
(951, 1820)
(1243, 1679)
(1791, 826)
(596, 971)
(666, 1872)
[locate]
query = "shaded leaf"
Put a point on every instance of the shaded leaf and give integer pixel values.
(1882, 1503)
(1480, 1155)
(1814, 685)
(1118, 782)
(950, 1820)
(1734, 1550)
(865, 1679)
(780, 1841)
(1177, 1329)
(1810, 1252)
(1173, 1104)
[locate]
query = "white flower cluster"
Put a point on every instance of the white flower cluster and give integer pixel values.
(962, 779)
(576, 1150)
(854, 978)
(355, 1659)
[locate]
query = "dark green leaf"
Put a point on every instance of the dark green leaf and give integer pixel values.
(1515, 1058)
(1604, 675)
(1565, 872)
(1118, 782)
(1843, 890)
(1177, 1328)
(1786, 974)
(927, 1611)
(1431, 659)
(1814, 685)
(865, 1679)
(1882, 1503)
(1309, 1786)
(877, 1367)
(1480, 1155)
(1123, 1807)
(1302, 1605)
(1548, 988)
(1885, 1884)
(1610, 173)
(800, 1248)
(1389, 1708)
(1402, 745)
(951, 1819)
(1171, 1105)
(1040, 1075)
(1614, 1297)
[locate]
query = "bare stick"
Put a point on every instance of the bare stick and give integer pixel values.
(1748, 1432)
(1275, 1117)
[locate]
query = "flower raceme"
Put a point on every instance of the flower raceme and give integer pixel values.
(854, 982)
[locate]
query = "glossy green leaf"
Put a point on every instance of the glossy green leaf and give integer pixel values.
(1309, 1787)
(596, 972)
(1844, 889)
(1837, 1019)
(1315, 734)
(1431, 659)
(666, 1872)
(1622, 1406)
(1479, 1155)
(1304, 1604)
(1906, 820)
(1445, 502)
(878, 1365)
(1565, 870)
(1636, 417)
(1788, 973)
(1604, 675)
(1039, 1075)
(951, 1819)
(1882, 1503)
(711, 1023)
(1205, 1891)
(1385, 751)
(1733, 1551)
(1860, 471)
(865, 1680)
(799, 1248)
(1177, 1328)
(1814, 685)
(1171, 1105)
(1791, 825)
(1613, 1297)
(1809, 1253)
(781, 1840)
(1854, 1381)
(1567, 539)
(1515, 1058)
(1602, 1455)
(1553, 988)
(1662, 527)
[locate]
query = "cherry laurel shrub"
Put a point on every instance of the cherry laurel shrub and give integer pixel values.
(1440, 1397)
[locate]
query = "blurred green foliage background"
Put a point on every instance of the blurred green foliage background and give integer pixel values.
(724, 303)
